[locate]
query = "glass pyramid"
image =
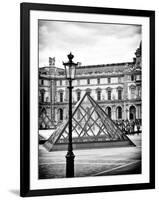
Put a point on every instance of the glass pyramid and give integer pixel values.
(90, 123)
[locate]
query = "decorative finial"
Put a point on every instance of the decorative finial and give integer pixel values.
(70, 56)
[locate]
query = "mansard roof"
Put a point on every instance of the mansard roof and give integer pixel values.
(91, 69)
(106, 65)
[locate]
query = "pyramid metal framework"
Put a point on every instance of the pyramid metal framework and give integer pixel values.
(90, 124)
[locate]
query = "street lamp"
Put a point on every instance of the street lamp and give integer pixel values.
(70, 71)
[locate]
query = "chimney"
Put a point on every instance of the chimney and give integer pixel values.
(52, 61)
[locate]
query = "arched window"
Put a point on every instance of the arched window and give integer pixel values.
(119, 94)
(132, 112)
(61, 114)
(108, 111)
(119, 112)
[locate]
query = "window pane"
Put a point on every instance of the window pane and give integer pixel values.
(61, 97)
(99, 95)
(119, 112)
(42, 97)
(61, 114)
(109, 95)
(132, 93)
(119, 95)
(108, 111)
(78, 96)
(98, 80)
(109, 80)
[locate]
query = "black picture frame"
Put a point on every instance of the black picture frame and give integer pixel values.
(25, 9)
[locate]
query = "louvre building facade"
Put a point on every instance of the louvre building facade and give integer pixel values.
(115, 87)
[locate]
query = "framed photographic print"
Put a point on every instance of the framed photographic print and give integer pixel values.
(87, 99)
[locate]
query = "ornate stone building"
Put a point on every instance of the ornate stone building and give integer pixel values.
(115, 87)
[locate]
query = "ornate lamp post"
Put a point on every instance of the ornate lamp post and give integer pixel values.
(70, 71)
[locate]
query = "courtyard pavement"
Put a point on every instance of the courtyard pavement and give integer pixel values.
(92, 162)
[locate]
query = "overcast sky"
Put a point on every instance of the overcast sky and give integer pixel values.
(90, 43)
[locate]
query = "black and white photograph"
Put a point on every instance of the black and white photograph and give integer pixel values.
(87, 99)
(90, 99)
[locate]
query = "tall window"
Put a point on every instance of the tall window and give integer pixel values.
(98, 80)
(42, 96)
(78, 95)
(132, 113)
(108, 111)
(119, 112)
(42, 92)
(119, 94)
(88, 81)
(132, 77)
(61, 114)
(61, 96)
(109, 80)
(99, 95)
(42, 82)
(109, 94)
(133, 93)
